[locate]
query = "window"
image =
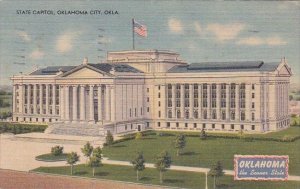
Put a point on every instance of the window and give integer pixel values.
(223, 115)
(232, 126)
(178, 114)
(186, 125)
(158, 124)
(170, 114)
(253, 105)
(148, 124)
(232, 115)
(243, 116)
(214, 114)
(195, 125)
(158, 87)
(147, 90)
(158, 103)
(131, 126)
(204, 114)
(196, 114)
(148, 99)
(148, 109)
(253, 116)
(187, 114)
(253, 95)
(125, 127)
(253, 127)
(253, 86)
(130, 112)
(242, 127)
(141, 111)
(213, 125)
(159, 114)
(168, 124)
(223, 126)
(177, 124)
(135, 112)
(203, 125)
(158, 95)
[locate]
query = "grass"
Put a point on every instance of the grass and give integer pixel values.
(52, 158)
(202, 153)
(171, 178)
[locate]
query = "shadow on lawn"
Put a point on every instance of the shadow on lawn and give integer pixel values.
(146, 178)
(189, 153)
(80, 173)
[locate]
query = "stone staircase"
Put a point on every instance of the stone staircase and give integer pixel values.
(76, 129)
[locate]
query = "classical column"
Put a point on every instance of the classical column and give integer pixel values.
(21, 98)
(34, 99)
(199, 101)
(163, 105)
(173, 100)
(237, 102)
(113, 103)
(47, 99)
(41, 99)
(227, 102)
(82, 103)
(74, 117)
(218, 101)
(209, 101)
(53, 99)
(91, 104)
(182, 113)
(14, 98)
(107, 103)
(99, 103)
(67, 103)
(62, 103)
(28, 98)
(248, 101)
(191, 101)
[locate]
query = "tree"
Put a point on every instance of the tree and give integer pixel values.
(57, 150)
(216, 171)
(203, 134)
(138, 164)
(138, 135)
(163, 161)
(72, 159)
(180, 143)
(97, 152)
(87, 150)
(109, 139)
(94, 162)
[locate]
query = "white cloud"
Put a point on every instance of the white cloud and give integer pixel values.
(175, 26)
(224, 32)
(24, 36)
(198, 27)
(255, 41)
(106, 40)
(65, 41)
(36, 54)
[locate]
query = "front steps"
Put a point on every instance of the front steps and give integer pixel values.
(76, 129)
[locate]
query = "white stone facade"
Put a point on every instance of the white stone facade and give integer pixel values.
(148, 89)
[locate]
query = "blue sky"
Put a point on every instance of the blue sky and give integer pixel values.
(199, 31)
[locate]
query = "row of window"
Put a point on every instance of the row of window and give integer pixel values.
(204, 126)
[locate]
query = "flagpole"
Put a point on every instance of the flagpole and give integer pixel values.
(133, 34)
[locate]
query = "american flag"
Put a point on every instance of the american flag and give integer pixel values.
(140, 29)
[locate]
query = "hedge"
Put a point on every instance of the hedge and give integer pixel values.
(17, 128)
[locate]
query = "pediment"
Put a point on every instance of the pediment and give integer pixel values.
(284, 71)
(85, 72)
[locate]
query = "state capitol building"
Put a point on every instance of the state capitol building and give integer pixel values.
(138, 90)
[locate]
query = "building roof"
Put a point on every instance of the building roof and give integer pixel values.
(52, 70)
(225, 67)
(104, 67)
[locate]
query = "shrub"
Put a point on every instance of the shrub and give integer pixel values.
(203, 134)
(57, 150)
(138, 135)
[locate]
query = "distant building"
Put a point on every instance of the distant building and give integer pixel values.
(135, 90)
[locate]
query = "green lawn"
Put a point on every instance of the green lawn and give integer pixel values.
(171, 178)
(202, 153)
(50, 157)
